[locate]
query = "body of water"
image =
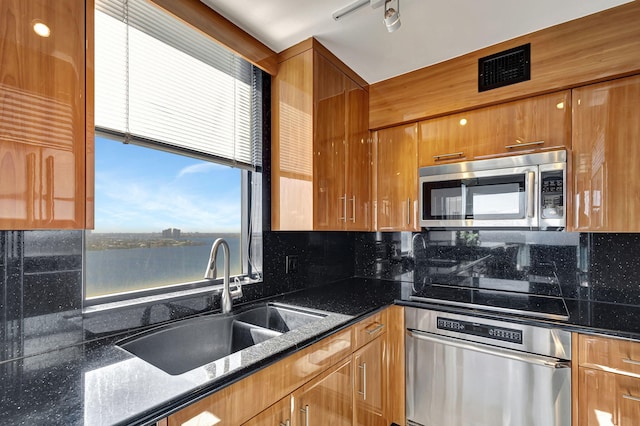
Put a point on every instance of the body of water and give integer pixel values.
(116, 270)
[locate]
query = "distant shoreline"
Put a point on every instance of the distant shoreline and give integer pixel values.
(124, 241)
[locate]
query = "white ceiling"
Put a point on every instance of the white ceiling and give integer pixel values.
(432, 31)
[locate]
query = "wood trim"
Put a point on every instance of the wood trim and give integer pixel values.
(595, 48)
(89, 159)
(395, 364)
(199, 16)
(313, 43)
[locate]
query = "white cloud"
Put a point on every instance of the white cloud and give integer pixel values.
(197, 168)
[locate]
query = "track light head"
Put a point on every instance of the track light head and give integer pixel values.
(391, 17)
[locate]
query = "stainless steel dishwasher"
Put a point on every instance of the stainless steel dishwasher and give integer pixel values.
(469, 371)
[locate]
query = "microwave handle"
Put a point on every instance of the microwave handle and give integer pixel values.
(532, 194)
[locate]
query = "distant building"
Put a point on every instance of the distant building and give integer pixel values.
(171, 233)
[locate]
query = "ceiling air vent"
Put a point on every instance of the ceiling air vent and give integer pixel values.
(504, 68)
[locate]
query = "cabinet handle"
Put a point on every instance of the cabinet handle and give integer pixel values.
(363, 392)
(631, 361)
(353, 204)
(532, 195)
(305, 410)
(523, 145)
(344, 208)
(286, 423)
(631, 397)
(375, 329)
(408, 211)
(445, 156)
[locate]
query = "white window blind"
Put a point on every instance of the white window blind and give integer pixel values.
(160, 81)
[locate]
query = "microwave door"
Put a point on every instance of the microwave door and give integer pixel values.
(495, 198)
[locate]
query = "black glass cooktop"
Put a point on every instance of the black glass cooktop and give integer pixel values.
(538, 296)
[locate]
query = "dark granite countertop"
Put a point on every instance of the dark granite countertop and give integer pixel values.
(98, 384)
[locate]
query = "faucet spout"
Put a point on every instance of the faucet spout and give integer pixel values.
(210, 272)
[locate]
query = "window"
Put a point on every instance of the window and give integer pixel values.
(178, 150)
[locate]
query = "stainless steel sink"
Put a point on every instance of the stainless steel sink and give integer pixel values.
(184, 345)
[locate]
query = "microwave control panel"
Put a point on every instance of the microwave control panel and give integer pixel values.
(552, 194)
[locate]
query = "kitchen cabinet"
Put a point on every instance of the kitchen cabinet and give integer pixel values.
(396, 198)
(46, 126)
(369, 379)
(279, 414)
(606, 178)
(608, 381)
(521, 127)
(326, 400)
(320, 146)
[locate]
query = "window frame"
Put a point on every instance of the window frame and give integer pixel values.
(249, 273)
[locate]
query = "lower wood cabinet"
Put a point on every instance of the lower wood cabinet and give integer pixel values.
(341, 380)
(608, 387)
(326, 400)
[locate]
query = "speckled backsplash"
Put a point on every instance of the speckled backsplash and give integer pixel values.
(41, 275)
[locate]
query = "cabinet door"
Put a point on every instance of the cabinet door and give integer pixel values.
(330, 197)
(397, 178)
(522, 127)
(358, 164)
(606, 177)
(42, 118)
(628, 397)
(326, 400)
(596, 398)
(369, 372)
(278, 414)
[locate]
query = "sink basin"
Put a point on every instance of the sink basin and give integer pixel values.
(184, 345)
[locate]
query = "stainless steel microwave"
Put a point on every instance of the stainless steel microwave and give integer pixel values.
(524, 191)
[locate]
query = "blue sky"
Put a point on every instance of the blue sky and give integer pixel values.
(145, 190)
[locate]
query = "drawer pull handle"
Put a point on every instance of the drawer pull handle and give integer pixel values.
(630, 361)
(286, 423)
(375, 329)
(524, 145)
(631, 397)
(445, 156)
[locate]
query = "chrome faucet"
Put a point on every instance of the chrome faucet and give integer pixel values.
(211, 273)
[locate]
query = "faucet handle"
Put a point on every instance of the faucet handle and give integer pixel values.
(237, 293)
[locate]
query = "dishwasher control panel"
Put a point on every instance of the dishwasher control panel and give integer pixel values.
(490, 332)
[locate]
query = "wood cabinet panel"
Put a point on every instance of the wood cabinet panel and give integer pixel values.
(292, 148)
(606, 184)
(370, 384)
(397, 178)
(521, 127)
(279, 414)
(395, 364)
(369, 329)
(320, 148)
(601, 46)
(330, 202)
(628, 400)
(229, 405)
(596, 398)
(326, 400)
(620, 355)
(42, 115)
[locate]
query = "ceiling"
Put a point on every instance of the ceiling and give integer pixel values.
(432, 31)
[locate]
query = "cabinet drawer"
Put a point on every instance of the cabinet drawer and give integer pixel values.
(618, 354)
(370, 328)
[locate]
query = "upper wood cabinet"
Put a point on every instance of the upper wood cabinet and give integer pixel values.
(46, 130)
(606, 177)
(397, 178)
(320, 178)
(520, 127)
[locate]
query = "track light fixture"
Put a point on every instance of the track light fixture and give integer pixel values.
(392, 16)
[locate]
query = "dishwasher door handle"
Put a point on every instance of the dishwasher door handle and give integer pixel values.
(542, 360)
